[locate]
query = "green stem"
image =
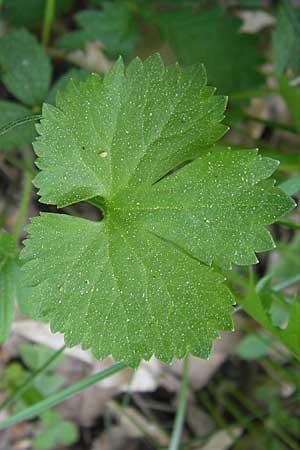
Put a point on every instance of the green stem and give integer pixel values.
(286, 283)
(271, 124)
(17, 394)
(275, 428)
(180, 415)
(48, 20)
(17, 123)
(253, 93)
(25, 197)
(20, 164)
(218, 418)
(238, 414)
(288, 224)
(265, 415)
(59, 397)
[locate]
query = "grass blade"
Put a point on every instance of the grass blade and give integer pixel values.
(60, 396)
(17, 394)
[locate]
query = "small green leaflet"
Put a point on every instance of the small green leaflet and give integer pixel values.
(275, 303)
(289, 336)
(12, 378)
(253, 346)
(114, 27)
(214, 38)
(7, 283)
(288, 265)
(15, 374)
(55, 431)
(291, 186)
(25, 67)
(138, 283)
(286, 38)
(35, 356)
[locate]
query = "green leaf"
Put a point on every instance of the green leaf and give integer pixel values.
(35, 356)
(214, 39)
(48, 384)
(13, 378)
(25, 66)
(134, 287)
(291, 186)
(18, 137)
(228, 202)
(114, 26)
(280, 311)
(275, 303)
(288, 265)
(291, 95)
(286, 38)
(32, 15)
(178, 111)
(55, 431)
(289, 336)
(253, 346)
(62, 82)
(7, 283)
(43, 383)
(137, 283)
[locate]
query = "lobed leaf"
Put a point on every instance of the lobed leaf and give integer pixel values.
(138, 283)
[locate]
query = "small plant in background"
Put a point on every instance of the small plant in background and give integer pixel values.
(54, 430)
(185, 205)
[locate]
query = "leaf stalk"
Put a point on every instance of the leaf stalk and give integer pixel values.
(180, 415)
